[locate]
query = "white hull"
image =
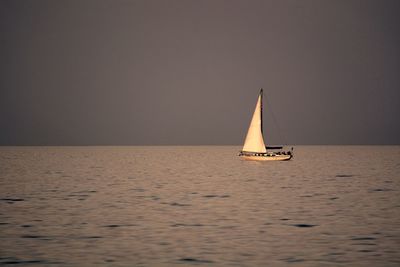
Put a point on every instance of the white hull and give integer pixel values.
(266, 158)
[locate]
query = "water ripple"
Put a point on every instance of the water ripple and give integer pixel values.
(194, 260)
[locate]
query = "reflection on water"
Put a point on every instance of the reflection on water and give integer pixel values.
(166, 206)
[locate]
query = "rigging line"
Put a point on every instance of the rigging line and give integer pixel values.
(281, 136)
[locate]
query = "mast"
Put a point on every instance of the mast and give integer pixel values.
(261, 112)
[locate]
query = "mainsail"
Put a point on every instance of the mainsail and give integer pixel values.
(254, 139)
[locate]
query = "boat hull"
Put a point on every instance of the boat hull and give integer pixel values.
(266, 158)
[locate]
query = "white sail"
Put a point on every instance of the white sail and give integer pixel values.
(254, 140)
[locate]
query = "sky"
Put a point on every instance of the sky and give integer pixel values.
(184, 72)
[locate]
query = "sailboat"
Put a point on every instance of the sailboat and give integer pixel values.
(254, 147)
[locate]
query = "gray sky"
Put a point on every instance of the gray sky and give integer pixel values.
(188, 72)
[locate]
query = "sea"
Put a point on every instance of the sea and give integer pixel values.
(199, 206)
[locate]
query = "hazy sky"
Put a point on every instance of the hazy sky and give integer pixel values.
(188, 72)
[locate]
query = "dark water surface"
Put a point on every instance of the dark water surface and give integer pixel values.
(203, 206)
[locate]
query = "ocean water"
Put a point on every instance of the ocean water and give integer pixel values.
(200, 206)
